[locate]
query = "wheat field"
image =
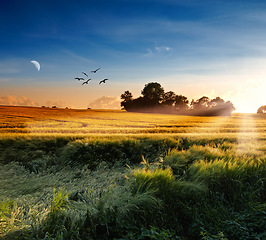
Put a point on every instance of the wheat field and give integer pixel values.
(31, 121)
(62, 170)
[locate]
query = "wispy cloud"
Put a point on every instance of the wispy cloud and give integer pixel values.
(163, 49)
(157, 50)
(16, 101)
(106, 102)
(148, 53)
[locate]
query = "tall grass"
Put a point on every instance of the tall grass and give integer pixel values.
(211, 194)
(222, 170)
(5, 216)
(172, 177)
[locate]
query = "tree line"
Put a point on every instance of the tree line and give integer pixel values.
(155, 100)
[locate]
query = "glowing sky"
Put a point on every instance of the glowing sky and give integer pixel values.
(194, 48)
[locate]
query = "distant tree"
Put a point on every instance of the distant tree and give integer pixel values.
(214, 107)
(221, 109)
(127, 96)
(169, 98)
(153, 94)
(215, 102)
(262, 109)
(181, 103)
(155, 100)
(138, 105)
(127, 99)
(200, 104)
(203, 101)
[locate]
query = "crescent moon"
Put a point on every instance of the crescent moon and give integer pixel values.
(37, 65)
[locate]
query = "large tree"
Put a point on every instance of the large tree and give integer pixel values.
(153, 94)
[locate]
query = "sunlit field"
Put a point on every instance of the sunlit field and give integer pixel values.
(29, 121)
(110, 174)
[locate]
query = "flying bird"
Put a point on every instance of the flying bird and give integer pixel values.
(79, 78)
(85, 74)
(86, 82)
(103, 81)
(94, 71)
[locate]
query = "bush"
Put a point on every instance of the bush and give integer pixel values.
(262, 109)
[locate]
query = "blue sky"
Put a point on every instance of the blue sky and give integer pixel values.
(195, 48)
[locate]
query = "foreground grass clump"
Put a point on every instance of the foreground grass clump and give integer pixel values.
(204, 192)
(238, 176)
(39, 153)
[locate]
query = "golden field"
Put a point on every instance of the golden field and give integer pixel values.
(70, 174)
(33, 121)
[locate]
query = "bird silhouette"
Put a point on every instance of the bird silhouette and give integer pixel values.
(103, 81)
(86, 82)
(79, 78)
(94, 71)
(85, 74)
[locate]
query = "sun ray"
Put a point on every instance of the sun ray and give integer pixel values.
(248, 135)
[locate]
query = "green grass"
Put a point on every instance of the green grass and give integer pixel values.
(147, 177)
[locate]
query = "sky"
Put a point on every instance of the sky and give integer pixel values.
(194, 48)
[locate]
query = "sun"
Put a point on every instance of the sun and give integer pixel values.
(249, 98)
(246, 107)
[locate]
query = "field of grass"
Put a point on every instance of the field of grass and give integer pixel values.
(110, 174)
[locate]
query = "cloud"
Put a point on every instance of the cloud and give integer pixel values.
(163, 49)
(157, 50)
(148, 53)
(106, 102)
(16, 101)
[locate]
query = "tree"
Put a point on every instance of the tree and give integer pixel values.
(155, 100)
(223, 109)
(153, 94)
(127, 99)
(214, 107)
(127, 96)
(262, 109)
(169, 98)
(181, 103)
(201, 103)
(216, 102)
